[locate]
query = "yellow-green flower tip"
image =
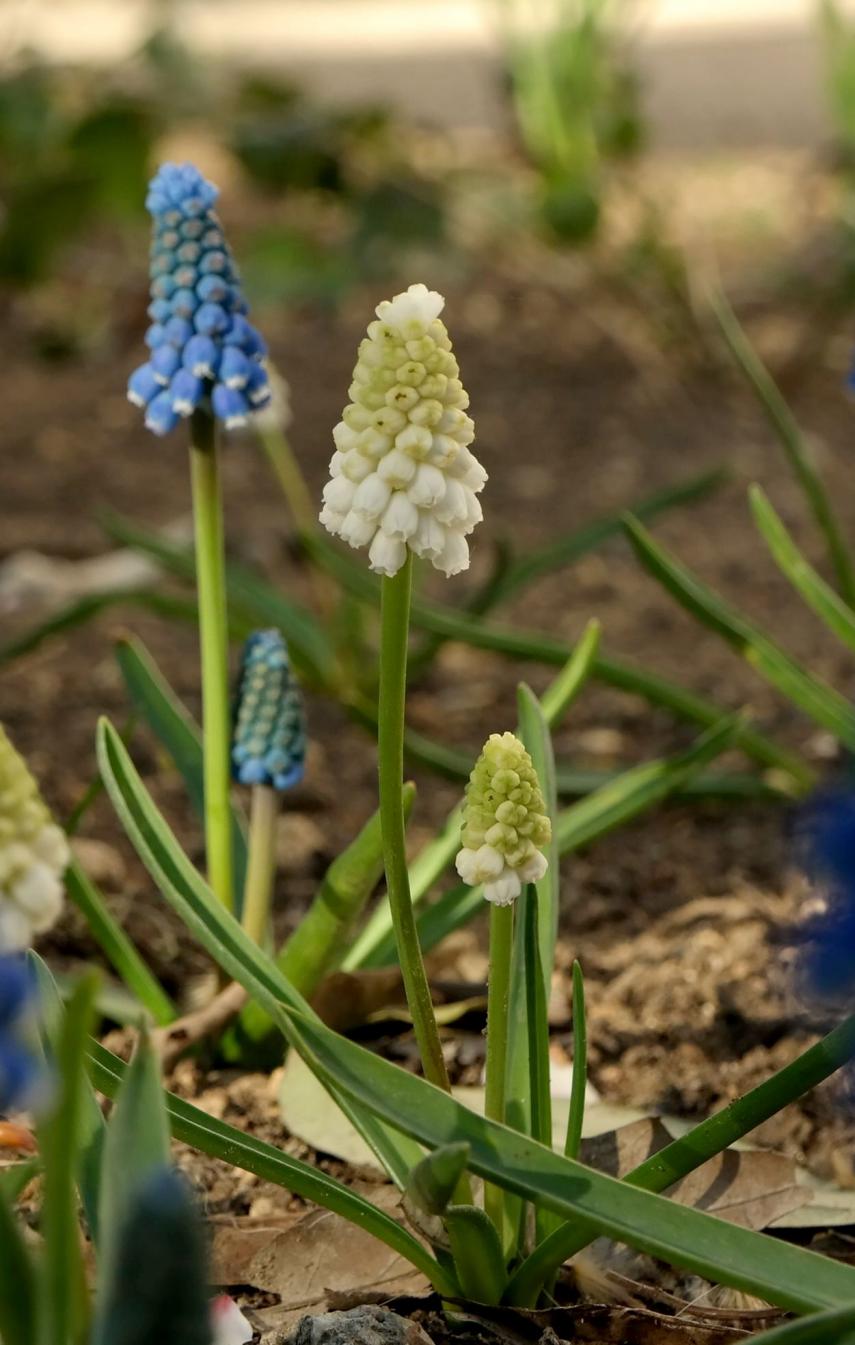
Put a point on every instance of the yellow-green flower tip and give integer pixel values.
(505, 822)
(403, 476)
(34, 855)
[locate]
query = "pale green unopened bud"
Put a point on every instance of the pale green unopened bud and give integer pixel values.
(505, 822)
(402, 475)
(34, 854)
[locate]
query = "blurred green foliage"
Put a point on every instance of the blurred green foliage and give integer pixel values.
(576, 102)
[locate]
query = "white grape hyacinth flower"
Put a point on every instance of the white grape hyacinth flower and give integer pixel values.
(34, 855)
(403, 475)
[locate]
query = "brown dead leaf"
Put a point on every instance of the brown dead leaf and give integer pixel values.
(751, 1188)
(17, 1138)
(307, 1259)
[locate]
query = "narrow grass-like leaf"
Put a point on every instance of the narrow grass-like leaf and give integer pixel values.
(815, 698)
(250, 594)
(820, 1328)
(239, 1149)
(17, 1281)
(701, 1143)
(534, 731)
(544, 649)
(566, 550)
(177, 731)
(564, 689)
(187, 891)
(796, 449)
(80, 611)
(538, 1044)
(92, 1126)
(62, 1291)
(819, 596)
(576, 1110)
(119, 950)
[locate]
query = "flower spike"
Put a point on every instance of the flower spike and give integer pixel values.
(403, 475)
(269, 739)
(197, 310)
(34, 855)
(505, 822)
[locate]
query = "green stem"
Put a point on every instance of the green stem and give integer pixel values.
(261, 862)
(213, 640)
(498, 1000)
(686, 1154)
(395, 623)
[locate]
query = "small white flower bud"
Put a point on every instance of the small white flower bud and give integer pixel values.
(34, 854)
(386, 554)
(372, 496)
(357, 530)
(397, 469)
(428, 486)
(339, 493)
(401, 517)
(503, 891)
(454, 557)
(428, 540)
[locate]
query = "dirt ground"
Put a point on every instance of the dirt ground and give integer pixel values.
(680, 920)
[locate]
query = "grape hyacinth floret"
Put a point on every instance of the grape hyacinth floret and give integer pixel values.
(505, 822)
(402, 474)
(34, 855)
(269, 739)
(204, 351)
(22, 1077)
(825, 836)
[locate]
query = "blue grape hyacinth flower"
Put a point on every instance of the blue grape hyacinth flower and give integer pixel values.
(21, 1072)
(269, 736)
(825, 837)
(204, 352)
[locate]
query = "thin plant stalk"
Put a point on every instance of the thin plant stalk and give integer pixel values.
(261, 862)
(498, 1002)
(286, 469)
(395, 622)
(213, 640)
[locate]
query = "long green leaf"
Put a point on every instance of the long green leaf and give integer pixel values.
(820, 702)
(136, 1147)
(544, 649)
(534, 731)
(307, 641)
(792, 441)
(175, 728)
(216, 1138)
(17, 1282)
(80, 611)
(184, 887)
(821, 1328)
(566, 550)
(630, 794)
(92, 1126)
(699, 1242)
(119, 950)
(837, 615)
(576, 1110)
(62, 1294)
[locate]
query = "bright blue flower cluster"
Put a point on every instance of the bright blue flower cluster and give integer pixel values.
(269, 738)
(204, 350)
(825, 833)
(21, 1073)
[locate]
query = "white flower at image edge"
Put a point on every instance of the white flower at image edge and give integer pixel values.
(229, 1325)
(403, 475)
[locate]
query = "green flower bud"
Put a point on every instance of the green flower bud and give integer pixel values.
(34, 854)
(505, 823)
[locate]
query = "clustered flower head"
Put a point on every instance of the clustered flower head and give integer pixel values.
(34, 855)
(204, 352)
(269, 738)
(402, 474)
(22, 1077)
(825, 837)
(505, 822)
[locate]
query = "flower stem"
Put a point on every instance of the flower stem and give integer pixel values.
(213, 640)
(261, 862)
(498, 1000)
(395, 620)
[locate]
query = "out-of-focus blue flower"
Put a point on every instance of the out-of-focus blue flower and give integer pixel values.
(204, 352)
(825, 837)
(269, 738)
(21, 1073)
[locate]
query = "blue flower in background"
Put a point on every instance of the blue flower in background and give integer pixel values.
(269, 737)
(21, 1072)
(204, 352)
(825, 835)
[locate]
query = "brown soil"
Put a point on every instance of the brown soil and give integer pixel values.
(679, 920)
